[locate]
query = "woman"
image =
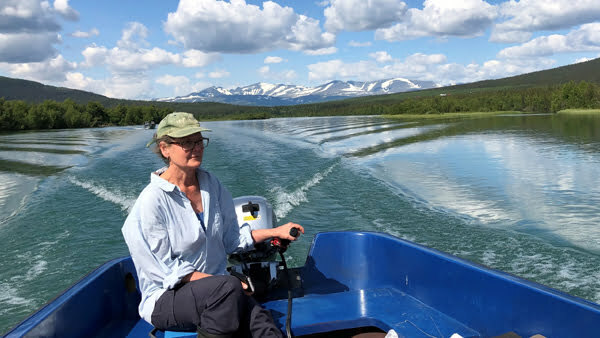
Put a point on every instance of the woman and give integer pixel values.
(179, 233)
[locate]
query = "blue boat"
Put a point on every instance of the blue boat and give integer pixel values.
(351, 282)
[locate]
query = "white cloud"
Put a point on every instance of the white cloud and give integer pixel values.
(273, 59)
(322, 51)
(340, 70)
(527, 16)
(62, 7)
(180, 84)
(283, 76)
(426, 59)
(218, 74)
(237, 27)
(47, 70)
(120, 60)
(117, 86)
(130, 62)
(128, 65)
(360, 15)
(381, 56)
(353, 43)
(129, 86)
(441, 18)
(195, 58)
(264, 70)
(130, 57)
(584, 39)
(584, 59)
(29, 29)
(77, 80)
(419, 66)
(27, 16)
(27, 47)
(94, 56)
(134, 36)
(80, 34)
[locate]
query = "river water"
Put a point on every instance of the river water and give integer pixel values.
(516, 193)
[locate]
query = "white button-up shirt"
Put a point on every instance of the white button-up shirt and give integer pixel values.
(167, 241)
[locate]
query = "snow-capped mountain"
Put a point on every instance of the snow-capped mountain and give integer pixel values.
(266, 94)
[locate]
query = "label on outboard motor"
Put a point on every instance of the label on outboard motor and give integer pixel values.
(255, 211)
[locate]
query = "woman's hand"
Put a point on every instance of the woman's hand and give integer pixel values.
(246, 289)
(283, 231)
(194, 276)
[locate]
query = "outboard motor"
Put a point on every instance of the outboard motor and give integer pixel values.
(259, 265)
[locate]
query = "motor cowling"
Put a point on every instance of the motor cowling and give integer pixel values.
(255, 211)
(258, 214)
(258, 264)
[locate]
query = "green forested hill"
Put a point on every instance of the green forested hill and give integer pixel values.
(35, 92)
(585, 71)
(588, 71)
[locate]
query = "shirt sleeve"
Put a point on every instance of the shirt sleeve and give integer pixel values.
(148, 241)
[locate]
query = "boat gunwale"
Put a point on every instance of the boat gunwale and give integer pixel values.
(41, 314)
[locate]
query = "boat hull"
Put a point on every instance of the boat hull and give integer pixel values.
(350, 280)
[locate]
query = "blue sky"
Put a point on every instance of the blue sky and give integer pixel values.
(159, 48)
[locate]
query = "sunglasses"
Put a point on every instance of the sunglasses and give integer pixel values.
(189, 145)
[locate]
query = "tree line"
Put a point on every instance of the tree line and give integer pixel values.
(549, 99)
(20, 115)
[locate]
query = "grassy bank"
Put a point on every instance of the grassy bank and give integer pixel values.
(579, 111)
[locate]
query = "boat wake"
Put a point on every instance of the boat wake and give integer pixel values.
(15, 191)
(9, 295)
(119, 199)
(286, 201)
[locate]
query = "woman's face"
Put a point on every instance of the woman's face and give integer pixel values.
(185, 152)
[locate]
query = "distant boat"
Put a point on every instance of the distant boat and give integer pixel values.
(149, 125)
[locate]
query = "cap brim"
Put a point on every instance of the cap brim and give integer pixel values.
(186, 131)
(181, 133)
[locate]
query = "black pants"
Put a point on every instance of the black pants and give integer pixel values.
(216, 304)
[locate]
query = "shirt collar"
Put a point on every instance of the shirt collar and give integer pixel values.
(164, 184)
(161, 182)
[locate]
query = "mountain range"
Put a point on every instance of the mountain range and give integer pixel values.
(35, 92)
(266, 94)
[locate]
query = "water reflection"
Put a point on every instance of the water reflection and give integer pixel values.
(528, 174)
(533, 174)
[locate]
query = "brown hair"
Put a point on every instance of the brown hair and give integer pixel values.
(156, 147)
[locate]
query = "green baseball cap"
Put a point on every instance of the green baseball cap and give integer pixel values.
(177, 124)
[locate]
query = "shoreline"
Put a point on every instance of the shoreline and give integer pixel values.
(579, 111)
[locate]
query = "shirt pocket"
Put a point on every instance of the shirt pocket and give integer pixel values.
(187, 236)
(216, 226)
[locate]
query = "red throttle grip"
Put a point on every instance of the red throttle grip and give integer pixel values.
(282, 244)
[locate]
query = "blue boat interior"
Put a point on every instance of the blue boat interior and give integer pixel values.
(350, 280)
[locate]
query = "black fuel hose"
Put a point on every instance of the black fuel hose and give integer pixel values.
(288, 320)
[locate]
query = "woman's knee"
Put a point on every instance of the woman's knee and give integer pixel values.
(231, 283)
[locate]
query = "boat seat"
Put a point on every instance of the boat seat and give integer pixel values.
(384, 308)
(143, 328)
